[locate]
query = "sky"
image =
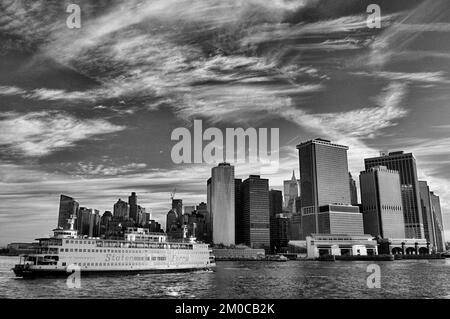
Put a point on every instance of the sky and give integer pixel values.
(89, 112)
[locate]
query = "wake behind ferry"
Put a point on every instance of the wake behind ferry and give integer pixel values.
(139, 251)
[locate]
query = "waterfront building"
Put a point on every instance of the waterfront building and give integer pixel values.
(353, 190)
(255, 208)
(427, 213)
(405, 164)
(279, 233)
(381, 202)
(221, 204)
(202, 209)
(404, 246)
(319, 245)
(337, 219)
(438, 222)
(238, 213)
(68, 207)
(324, 180)
(291, 192)
(121, 209)
(279, 222)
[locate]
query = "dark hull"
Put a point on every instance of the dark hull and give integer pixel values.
(61, 273)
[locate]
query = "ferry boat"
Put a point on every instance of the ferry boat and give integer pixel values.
(139, 251)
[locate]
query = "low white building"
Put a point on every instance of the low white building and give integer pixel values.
(340, 245)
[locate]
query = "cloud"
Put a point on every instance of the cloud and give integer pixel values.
(41, 133)
(424, 77)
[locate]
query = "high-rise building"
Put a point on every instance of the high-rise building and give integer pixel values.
(353, 191)
(255, 211)
(104, 222)
(382, 206)
(275, 202)
(172, 221)
(202, 209)
(68, 207)
(132, 202)
(324, 180)
(427, 213)
(221, 204)
(121, 209)
(279, 222)
(439, 222)
(279, 233)
(296, 231)
(177, 206)
(405, 164)
(89, 222)
(290, 193)
(238, 215)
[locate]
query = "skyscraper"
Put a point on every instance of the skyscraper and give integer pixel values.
(221, 203)
(238, 217)
(405, 164)
(439, 222)
(279, 222)
(324, 179)
(381, 199)
(132, 202)
(121, 210)
(177, 206)
(202, 209)
(255, 211)
(290, 193)
(67, 207)
(427, 213)
(275, 202)
(353, 191)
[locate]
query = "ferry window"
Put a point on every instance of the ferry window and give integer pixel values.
(67, 241)
(63, 264)
(76, 250)
(84, 250)
(61, 250)
(71, 241)
(89, 250)
(71, 249)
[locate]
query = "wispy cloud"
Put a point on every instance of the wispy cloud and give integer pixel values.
(40, 133)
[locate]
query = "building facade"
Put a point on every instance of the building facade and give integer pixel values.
(121, 209)
(68, 207)
(353, 190)
(381, 202)
(255, 209)
(439, 222)
(324, 180)
(221, 205)
(405, 164)
(291, 192)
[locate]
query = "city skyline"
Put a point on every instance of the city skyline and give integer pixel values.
(89, 112)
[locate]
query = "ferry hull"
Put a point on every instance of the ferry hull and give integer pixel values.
(51, 273)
